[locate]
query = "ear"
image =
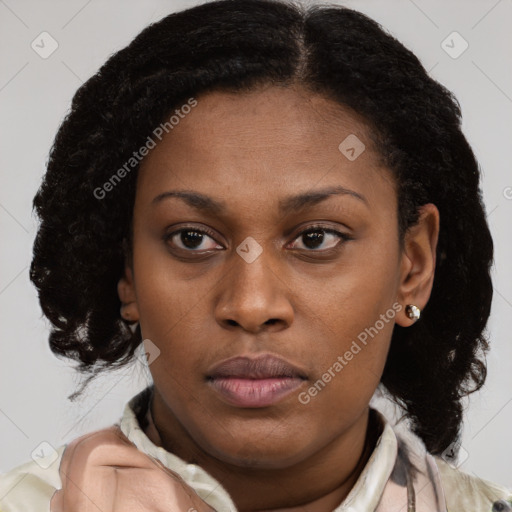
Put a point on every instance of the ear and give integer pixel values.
(127, 296)
(418, 262)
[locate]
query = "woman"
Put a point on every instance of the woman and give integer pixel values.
(280, 202)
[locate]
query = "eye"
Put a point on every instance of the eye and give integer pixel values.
(192, 240)
(321, 237)
(313, 239)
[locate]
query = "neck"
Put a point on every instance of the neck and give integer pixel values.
(319, 483)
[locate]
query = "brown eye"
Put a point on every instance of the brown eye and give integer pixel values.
(192, 240)
(319, 238)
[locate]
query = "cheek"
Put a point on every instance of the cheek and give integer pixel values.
(354, 319)
(165, 301)
(354, 297)
(170, 317)
(169, 292)
(347, 373)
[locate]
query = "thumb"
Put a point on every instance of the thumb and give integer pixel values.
(199, 504)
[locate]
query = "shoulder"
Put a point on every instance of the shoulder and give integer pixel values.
(465, 492)
(30, 486)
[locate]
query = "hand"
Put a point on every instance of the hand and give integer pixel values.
(104, 472)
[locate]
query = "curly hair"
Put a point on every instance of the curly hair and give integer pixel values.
(236, 45)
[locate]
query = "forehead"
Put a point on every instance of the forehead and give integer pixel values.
(261, 144)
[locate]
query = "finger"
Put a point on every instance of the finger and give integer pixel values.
(104, 471)
(157, 490)
(86, 470)
(56, 501)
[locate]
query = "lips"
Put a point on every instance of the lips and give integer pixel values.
(255, 382)
(263, 367)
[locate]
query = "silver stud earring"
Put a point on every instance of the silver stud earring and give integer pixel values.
(413, 312)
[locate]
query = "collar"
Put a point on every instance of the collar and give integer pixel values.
(384, 482)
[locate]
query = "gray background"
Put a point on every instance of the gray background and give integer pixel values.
(35, 94)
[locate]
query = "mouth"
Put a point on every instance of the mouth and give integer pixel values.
(255, 382)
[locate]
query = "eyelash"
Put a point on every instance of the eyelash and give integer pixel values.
(310, 229)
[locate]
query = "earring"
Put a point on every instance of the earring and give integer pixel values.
(126, 313)
(413, 312)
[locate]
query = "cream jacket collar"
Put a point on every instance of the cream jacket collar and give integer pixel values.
(395, 478)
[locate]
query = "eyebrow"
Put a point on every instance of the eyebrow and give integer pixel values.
(287, 205)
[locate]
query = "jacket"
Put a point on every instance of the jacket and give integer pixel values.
(399, 476)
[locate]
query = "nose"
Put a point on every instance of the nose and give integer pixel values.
(254, 296)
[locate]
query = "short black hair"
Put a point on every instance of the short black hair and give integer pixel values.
(237, 45)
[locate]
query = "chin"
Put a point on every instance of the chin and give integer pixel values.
(255, 452)
(261, 460)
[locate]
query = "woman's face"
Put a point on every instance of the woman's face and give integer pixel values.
(290, 250)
